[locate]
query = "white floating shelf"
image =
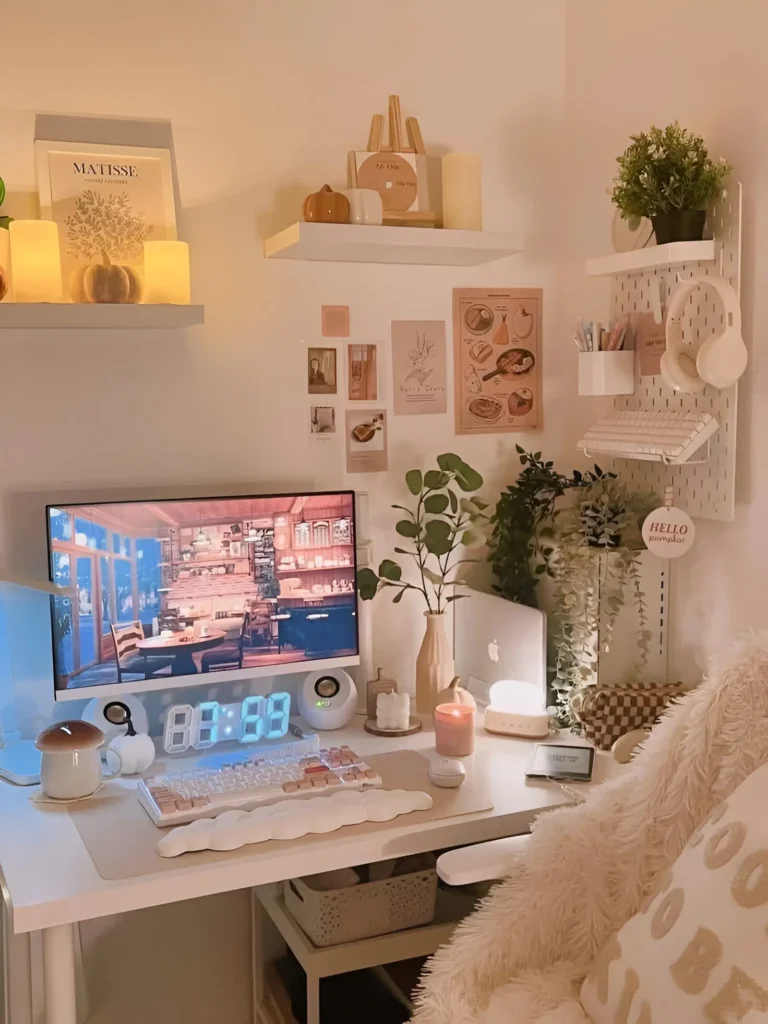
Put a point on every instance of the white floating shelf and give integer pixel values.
(92, 316)
(673, 254)
(355, 243)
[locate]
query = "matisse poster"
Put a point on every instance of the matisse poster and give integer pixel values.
(107, 201)
(419, 367)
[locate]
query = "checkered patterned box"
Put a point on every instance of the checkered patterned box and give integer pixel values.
(608, 712)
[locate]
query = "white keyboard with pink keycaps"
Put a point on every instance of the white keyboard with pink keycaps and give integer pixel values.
(247, 781)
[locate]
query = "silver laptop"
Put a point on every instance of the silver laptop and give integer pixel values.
(498, 639)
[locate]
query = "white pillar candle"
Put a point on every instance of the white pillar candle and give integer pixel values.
(166, 272)
(393, 711)
(5, 264)
(463, 191)
(35, 260)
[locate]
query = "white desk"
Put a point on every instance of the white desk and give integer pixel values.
(51, 884)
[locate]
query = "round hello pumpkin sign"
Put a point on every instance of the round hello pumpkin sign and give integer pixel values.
(669, 532)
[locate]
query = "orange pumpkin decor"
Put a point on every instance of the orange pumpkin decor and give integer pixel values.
(326, 207)
(107, 282)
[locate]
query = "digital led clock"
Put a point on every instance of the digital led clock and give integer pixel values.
(209, 723)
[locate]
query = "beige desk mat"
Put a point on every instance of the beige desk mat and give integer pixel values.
(120, 837)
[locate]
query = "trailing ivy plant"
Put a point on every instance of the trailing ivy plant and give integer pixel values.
(444, 523)
(520, 511)
(591, 551)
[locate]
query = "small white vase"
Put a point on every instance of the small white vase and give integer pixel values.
(434, 664)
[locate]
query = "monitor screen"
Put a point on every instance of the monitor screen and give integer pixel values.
(169, 593)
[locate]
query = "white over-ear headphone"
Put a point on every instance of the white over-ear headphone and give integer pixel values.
(721, 359)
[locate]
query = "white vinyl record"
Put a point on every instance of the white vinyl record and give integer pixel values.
(669, 532)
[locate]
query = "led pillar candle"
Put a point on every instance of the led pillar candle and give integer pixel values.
(35, 260)
(393, 711)
(462, 191)
(166, 272)
(5, 265)
(454, 730)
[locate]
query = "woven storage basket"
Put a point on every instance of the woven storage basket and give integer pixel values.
(361, 911)
(608, 712)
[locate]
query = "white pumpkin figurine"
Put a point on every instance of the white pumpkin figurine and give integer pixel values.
(136, 750)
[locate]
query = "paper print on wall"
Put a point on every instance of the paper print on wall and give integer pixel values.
(419, 366)
(497, 359)
(362, 373)
(107, 201)
(322, 422)
(366, 440)
(321, 371)
(335, 321)
(651, 343)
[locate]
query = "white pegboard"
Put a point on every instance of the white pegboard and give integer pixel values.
(706, 490)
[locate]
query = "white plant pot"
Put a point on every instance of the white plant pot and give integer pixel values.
(434, 664)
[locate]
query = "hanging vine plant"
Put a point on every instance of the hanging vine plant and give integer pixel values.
(591, 550)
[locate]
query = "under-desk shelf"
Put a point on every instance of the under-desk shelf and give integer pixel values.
(97, 316)
(364, 243)
(673, 254)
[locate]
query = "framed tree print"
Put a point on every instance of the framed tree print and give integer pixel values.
(107, 201)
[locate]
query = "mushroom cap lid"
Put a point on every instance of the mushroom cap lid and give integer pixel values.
(71, 735)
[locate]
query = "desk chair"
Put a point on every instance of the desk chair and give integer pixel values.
(130, 659)
(586, 870)
(228, 655)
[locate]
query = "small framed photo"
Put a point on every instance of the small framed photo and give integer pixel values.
(362, 374)
(107, 201)
(322, 422)
(321, 371)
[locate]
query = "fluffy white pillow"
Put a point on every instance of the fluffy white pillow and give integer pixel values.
(698, 949)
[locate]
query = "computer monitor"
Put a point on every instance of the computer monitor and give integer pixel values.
(200, 591)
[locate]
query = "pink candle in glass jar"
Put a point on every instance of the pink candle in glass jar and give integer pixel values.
(454, 730)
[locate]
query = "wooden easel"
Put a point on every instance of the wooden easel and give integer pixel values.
(421, 218)
(413, 131)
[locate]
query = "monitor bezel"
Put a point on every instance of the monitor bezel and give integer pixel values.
(212, 678)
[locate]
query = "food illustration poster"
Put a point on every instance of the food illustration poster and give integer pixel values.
(366, 440)
(497, 359)
(107, 205)
(419, 367)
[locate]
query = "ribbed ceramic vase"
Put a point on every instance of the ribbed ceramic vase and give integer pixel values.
(434, 664)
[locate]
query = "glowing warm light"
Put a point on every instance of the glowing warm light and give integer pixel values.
(35, 261)
(516, 696)
(166, 273)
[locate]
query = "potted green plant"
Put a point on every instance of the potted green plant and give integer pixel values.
(666, 174)
(520, 511)
(591, 551)
(445, 522)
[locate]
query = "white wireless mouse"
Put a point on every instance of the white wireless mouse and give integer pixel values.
(446, 772)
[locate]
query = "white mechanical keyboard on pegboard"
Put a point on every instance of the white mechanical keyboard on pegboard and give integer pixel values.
(249, 780)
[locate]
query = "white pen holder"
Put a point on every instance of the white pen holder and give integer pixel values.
(607, 373)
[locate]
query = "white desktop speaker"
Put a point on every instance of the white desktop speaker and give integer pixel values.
(517, 709)
(327, 700)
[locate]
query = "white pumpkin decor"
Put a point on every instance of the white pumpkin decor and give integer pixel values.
(136, 752)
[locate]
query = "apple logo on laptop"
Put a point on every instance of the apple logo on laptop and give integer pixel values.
(493, 650)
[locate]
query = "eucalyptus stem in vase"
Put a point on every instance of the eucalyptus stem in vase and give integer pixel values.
(444, 524)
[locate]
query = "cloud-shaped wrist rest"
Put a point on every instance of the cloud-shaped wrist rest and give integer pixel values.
(291, 819)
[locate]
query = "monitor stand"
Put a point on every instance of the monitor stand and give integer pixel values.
(20, 763)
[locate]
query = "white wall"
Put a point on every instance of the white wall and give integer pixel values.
(701, 62)
(266, 99)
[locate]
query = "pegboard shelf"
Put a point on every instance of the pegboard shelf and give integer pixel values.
(706, 490)
(673, 254)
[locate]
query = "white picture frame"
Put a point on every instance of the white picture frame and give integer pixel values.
(140, 179)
